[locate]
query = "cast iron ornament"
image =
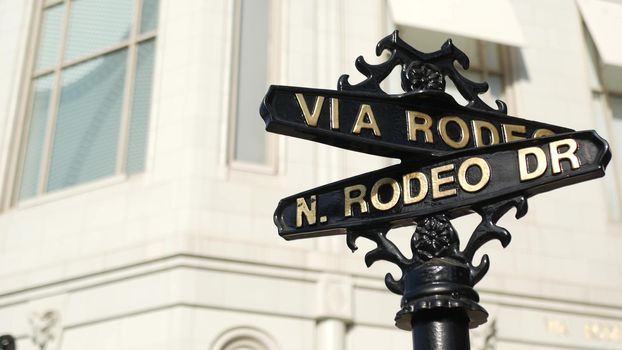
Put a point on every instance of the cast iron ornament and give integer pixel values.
(420, 71)
(420, 76)
(439, 274)
(439, 277)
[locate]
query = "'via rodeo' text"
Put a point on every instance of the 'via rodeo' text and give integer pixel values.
(419, 125)
(455, 184)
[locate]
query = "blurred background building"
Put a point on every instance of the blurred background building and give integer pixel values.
(138, 185)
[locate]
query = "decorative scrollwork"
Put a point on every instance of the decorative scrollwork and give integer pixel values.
(420, 72)
(487, 230)
(436, 238)
(45, 327)
(385, 250)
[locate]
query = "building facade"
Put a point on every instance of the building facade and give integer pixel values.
(138, 185)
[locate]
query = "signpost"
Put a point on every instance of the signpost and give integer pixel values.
(7, 342)
(456, 160)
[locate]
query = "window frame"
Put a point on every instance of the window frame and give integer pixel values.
(603, 99)
(270, 165)
(504, 70)
(30, 74)
(604, 93)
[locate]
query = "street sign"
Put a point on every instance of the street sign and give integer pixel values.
(455, 185)
(455, 160)
(418, 125)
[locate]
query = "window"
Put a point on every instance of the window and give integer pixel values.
(488, 61)
(607, 108)
(250, 141)
(244, 338)
(244, 344)
(90, 93)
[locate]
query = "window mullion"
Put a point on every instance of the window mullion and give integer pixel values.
(11, 196)
(95, 54)
(43, 72)
(54, 107)
(482, 58)
(140, 37)
(50, 3)
(233, 94)
(481, 51)
(507, 78)
(130, 74)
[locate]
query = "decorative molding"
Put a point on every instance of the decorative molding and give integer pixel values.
(490, 340)
(244, 337)
(45, 328)
(334, 298)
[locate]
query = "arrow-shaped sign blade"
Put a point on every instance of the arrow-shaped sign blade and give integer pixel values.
(416, 125)
(455, 184)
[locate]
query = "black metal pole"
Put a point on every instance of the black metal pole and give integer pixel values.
(440, 329)
(7, 342)
(439, 304)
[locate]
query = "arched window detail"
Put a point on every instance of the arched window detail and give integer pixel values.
(245, 344)
(244, 338)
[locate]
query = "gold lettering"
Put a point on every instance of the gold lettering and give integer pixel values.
(362, 123)
(510, 130)
(303, 209)
(603, 332)
(464, 168)
(395, 194)
(413, 126)
(310, 118)
(464, 132)
(557, 157)
(478, 125)
(523, 168)
(423, 187)
(555, 326)
(350, 201)
(334, 113)
(437, 182)
(542, 133)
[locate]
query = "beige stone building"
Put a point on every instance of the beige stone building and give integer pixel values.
(138, 185)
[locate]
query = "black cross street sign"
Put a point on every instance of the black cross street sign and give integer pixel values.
(455, 184)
